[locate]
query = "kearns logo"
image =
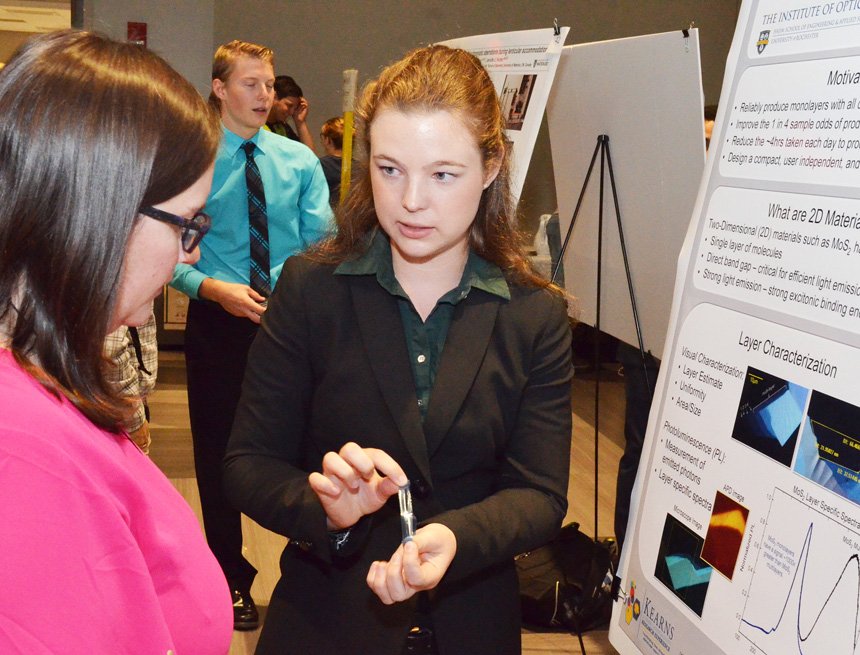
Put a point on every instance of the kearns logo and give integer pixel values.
(631, 612)
(763, 40)
(655, 629)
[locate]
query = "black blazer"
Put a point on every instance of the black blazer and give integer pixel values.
(330, 365)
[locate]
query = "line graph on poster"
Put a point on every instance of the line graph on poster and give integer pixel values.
(804, 594)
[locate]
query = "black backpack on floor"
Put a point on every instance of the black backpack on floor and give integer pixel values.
(566, 584)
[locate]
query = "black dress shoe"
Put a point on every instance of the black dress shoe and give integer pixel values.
(245, 616)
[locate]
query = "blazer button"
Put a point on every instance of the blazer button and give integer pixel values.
(420, 489)
(304, 546)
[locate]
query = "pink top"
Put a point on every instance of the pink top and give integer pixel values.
(98, 552)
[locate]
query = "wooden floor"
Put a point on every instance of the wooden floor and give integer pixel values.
(171, 451)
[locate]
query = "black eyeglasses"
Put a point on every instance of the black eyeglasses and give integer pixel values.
(193, 229)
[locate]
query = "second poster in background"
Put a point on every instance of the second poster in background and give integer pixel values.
(522, 66)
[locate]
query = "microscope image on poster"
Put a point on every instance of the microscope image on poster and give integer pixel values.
(829, 452)
(680, 566)
(769, 415)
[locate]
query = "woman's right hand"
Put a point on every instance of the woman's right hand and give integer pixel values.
(350, 485)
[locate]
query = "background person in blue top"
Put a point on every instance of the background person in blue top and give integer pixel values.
(225, 310)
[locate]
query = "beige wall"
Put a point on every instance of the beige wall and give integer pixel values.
(178, 30)
(315, 41)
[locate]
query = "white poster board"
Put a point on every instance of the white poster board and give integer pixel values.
(645, 93)
(522, 66)
(744, 534)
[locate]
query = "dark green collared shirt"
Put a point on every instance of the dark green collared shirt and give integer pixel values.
(425, 339)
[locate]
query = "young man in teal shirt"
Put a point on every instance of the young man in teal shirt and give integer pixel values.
(227, 298)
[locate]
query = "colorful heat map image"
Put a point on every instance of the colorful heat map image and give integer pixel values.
(725, 534)
(769, 415)
(829, 452)
(680, 566)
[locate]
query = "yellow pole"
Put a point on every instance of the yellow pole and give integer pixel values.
(350, 79)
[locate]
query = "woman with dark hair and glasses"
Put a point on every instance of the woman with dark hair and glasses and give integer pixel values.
(105, 163)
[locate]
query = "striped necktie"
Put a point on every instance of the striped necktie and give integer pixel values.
(258, 224)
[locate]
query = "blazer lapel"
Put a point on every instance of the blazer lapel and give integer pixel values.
(382, 332)
(467, 341)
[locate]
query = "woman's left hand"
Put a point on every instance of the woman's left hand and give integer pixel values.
(417, 565)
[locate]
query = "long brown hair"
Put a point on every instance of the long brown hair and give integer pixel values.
(90, 131)
(438, 78)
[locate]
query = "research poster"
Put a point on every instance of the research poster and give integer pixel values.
(522, 66)
(746, 529)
